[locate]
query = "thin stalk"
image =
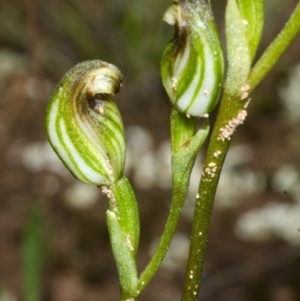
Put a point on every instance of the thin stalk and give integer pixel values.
(230, 107)
(215, 158)
(276, 49)
(123, 226)
(185, 147)
(177, 202)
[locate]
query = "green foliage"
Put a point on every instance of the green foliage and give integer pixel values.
(85, 128)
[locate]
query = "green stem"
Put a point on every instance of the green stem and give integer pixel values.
(127, 211)
(125, 261)
(185, 149)
(124, 229)
(231, 106)
(276, 49)
(216, 154)
(178, 198)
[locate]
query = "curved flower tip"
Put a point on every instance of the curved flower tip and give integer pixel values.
(192, 64)
(83, 123)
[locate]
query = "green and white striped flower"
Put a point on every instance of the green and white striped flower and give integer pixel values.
(83, 123)
(192, 64)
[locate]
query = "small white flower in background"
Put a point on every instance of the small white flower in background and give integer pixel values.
(81, 196)
(289, 94)
(163, 163)
(177, 253)
(8, 296)
(39, 156)
(11, 62)
(140, 157)
(138, 141)
(149, 167)
(145, 170)
(287, 178)
(189, 206)
(36, 88)
(273, 220)
(237, 180)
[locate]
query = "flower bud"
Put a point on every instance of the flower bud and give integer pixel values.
(192, 64)
(83, 123)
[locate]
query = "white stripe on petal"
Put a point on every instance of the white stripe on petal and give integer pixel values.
(92, 175)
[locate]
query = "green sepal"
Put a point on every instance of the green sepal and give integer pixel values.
(124, 258)
(83, 123)
(127, 212)
(183, 159)
(252, 12)
(192, 64)
(182, 129)
(185, 145)
(238, 50)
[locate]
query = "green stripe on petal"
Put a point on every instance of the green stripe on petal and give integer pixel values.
(83, 123)
(192, 64)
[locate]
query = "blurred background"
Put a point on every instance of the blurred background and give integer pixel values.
(53, 236)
